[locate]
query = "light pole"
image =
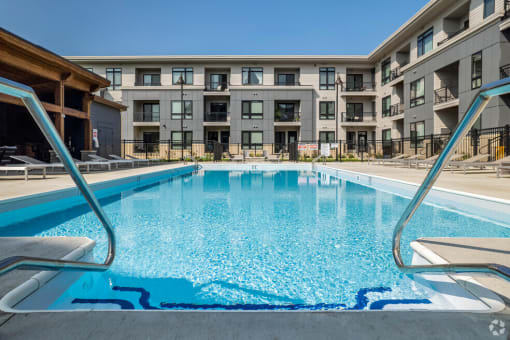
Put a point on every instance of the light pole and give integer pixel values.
(181, 82)
(338, 81)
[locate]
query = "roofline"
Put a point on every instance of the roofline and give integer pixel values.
(109, 103)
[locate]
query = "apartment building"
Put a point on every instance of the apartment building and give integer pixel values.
(417, 82)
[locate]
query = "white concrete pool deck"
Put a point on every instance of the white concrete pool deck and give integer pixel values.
(258, 325)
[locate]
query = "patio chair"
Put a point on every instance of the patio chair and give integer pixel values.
(389, 160)
(25, 168)
(477, 162)
(247, 157)
(32, 161)
(272, 158)
(236, 158)
(112, 161)
(136, 160)
(431, 160)
(149, 160)
(504, 166)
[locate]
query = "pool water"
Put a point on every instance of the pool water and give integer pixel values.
(251, 240)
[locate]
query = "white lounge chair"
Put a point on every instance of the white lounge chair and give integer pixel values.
(494, 165)
(25, 168)
(112, 161)
(135, 160)
(236, 158)
(395, 159)
(148, 160)
(272, 158)
(247, 157)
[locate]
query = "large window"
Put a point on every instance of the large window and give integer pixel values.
(326, 137)
(386, 106)
(252, 109)
(354, 82)
(288, 79)
(417, 92)
(252, 75)
(327, 110)
(177, 139)
(151, 79)
(488, 8)
(177, 109)
(386, 71)
(150, 112)
(252, 140)
(114, 75)
(185, 72)
(386, 135)
(327, 78)
(425, 42)
(354, 112)
(476, 70)
(417, 134)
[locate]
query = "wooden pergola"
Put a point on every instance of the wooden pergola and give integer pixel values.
(53, 78)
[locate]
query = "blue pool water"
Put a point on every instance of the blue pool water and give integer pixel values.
(250, 240)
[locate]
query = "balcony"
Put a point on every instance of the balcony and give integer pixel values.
(507, 9)
(287, 83)
(504, 71)
(451, 36)
(146, 118)
(359, 118)
(217, 87)
(358, 89)
(148, 83)
(287, 117)
(396, 109)
(445, 94)
(216, 117)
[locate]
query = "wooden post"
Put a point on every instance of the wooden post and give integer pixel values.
(87, 99)
(59, 100)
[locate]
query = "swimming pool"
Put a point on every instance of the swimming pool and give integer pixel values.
(251, 240)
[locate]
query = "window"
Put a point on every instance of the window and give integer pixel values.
(114, 75)
(151, 80)
(354, 112)
(252, 109)
(488, 8)
(417, 134)
(177, 139)
(386, 106)
(327, 78)
(386, 71)
(476, 70)
(386, 135)
(286, 79)
(417, 92)
(354, 82)
(251, 140)
(252, 75)
(185, 72)
(326, 137)
(327, 110)
(285, 112)
(177, 111)
(150, 112)
(425, 42)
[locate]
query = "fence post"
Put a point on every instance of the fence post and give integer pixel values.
(146, 151)
(507, 140)
(124, 148)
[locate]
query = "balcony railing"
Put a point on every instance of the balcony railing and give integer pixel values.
(152, 83)
(286, 83)
(217, 86)
(354, 117)
(216, 116)
(507, 9)
(395, 73)
(445, 94)
(452, 35)
(504, 71)
(359, 87)
(396, 109)
(146, 117)
(286, 117)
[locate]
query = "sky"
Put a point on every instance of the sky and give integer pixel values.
(198, 27)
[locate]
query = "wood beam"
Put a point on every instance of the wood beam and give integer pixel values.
(75, 113)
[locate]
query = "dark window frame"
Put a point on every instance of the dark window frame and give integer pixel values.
(327, 85)
(422, 41)
(110, 73)
(178, 144)
(250, 71)
(354, 82)
(151, 83)
(177, 115)
(386, 76)
(416, 101)
(186, 72)
(383, 133)
(476, 78)
(292, 76)
(386, 111)
(327, 115)
(330, 137)
(250, 145)
(488, 11)
(416, 142)
(250, 114)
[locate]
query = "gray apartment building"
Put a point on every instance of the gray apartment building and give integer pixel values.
(417, 82)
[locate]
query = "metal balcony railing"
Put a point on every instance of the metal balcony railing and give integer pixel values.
(216, 116)
(395, 73)
(507, 9)
(396, 109)
(358, 87)
(146, 117)
(504, 71)
(287, 83)
(286, 117)
(217, 86)
(452, 35)
(445, 94)
(354, 117)
(151, 83)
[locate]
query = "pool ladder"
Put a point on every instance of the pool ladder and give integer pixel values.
(34, 106)
(316, 159)
(485, 93)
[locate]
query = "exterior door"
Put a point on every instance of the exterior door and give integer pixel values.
(225, 139)
(351, 140)
(362, 141)
(279, 141)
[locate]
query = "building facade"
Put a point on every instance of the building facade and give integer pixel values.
(418, 82)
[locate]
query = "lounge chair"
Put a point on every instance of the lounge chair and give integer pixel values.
(149, 160)
(247, 157)
(272, 158)
(431, 160)
(112, 161)
(465, 165)
(135, 160)
(236, 158)
(504, 166)
(25, 168)
(32, 161)
(389, 160)
(477, 162)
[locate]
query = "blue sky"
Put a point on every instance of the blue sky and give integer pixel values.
(128, 27)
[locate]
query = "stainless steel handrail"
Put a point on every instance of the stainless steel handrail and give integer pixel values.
(34, 106)
(479, 103)
(316, 159)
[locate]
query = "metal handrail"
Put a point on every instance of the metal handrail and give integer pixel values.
(485, 93)
(316, 159)
(34, 106)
